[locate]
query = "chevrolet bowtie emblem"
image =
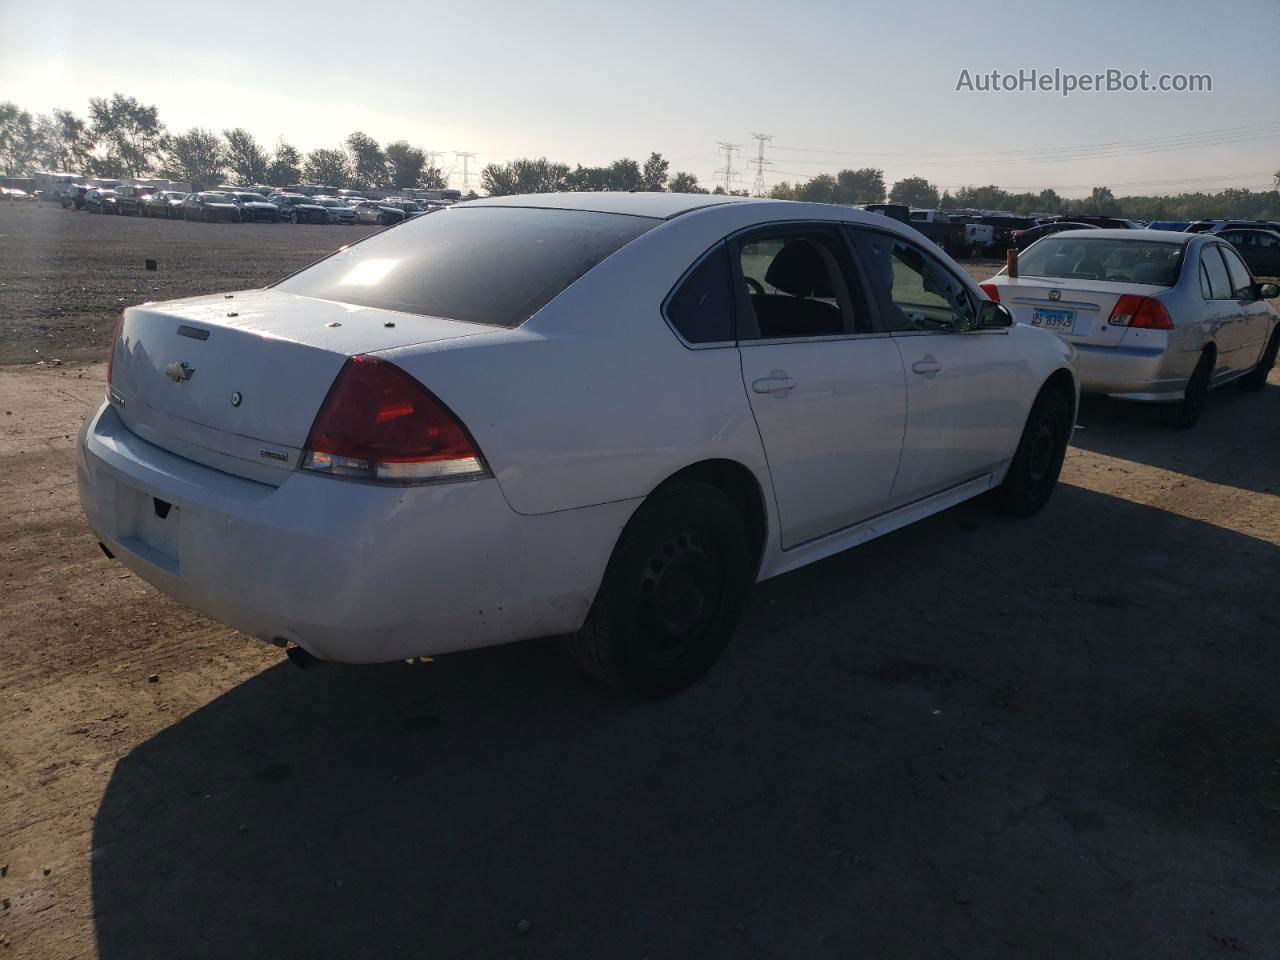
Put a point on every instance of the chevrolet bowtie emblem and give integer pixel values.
(177, 372)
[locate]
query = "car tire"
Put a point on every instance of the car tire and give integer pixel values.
(1186, 412)
(1256, 379)
(293, 218)
(1033, 473)
(671, 594)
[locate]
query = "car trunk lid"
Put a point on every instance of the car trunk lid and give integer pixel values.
(234, 381)
(1076, 310)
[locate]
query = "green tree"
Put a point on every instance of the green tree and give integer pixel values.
(405, 164)
(368, 162)
(65, 142)
(524, 176)
(915, 192)
(19, 143)
(989, 197)
(245, 156)
(1048, 201)
(130, 133)
(327, 167)
(286, 165)
(860, 186)
(682, 182)
(1100, 201)
(197, 157)
(432, 178)
(653, 178)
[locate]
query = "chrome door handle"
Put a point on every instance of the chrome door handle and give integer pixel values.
(778, 386)
(928, 366)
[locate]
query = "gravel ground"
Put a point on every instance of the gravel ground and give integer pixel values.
(973, 738)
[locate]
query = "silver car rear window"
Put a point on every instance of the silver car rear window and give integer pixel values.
(1077, 256)
(490, 265)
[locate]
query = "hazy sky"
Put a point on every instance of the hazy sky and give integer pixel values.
(869, 84)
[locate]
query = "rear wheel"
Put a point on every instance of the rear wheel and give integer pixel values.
(1038, 460)
(1256, 378)
(1186, 413)
(671, 594)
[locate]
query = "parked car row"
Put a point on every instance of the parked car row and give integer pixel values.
(244, 206)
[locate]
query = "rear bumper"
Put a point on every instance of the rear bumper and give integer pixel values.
(351, 572)
(1153, 373)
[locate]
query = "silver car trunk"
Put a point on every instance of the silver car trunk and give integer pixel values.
(1082, 305)
(235, 381)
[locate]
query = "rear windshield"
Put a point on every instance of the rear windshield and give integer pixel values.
(1078, 256)
(491, 265)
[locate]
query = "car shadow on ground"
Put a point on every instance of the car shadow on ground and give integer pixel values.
(1232, 420)
(900, 755)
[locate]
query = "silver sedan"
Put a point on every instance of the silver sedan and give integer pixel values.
(1155, 316)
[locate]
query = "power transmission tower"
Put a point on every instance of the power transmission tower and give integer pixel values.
(433, 157)
(728, 172)
(466, 170)
(757, 188)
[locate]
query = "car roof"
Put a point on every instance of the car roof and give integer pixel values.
(662, 206)
(1162, 236)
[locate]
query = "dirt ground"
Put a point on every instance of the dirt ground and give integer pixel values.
(973, 738)
(65, 276)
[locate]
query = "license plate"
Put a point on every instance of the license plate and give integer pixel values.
(1059, 321)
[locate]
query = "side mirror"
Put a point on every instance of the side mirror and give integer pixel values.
(1268, 291)
(993, 316)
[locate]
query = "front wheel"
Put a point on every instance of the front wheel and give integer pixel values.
(1038, 460)
(1256, 379)
(671, 594)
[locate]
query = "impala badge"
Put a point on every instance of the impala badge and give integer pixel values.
(178, 372)
(1055, 294)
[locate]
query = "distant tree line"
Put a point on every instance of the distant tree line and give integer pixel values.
(868, 186)
(122, 137)
(540, 175)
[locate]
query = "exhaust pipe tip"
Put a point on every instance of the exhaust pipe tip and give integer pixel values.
(301, 659)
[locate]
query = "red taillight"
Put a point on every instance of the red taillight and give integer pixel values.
(1132, 310)
(991, 290)
(379, 423)
(111, 351)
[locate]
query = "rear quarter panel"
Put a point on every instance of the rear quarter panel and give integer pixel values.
(595, 399)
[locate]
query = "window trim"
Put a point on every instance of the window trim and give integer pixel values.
(856, 233)
(733, 303)
(1204, 251)
(847, 262)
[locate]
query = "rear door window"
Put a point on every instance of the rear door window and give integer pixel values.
(489, 265)
(1219, 280)
(798, 283)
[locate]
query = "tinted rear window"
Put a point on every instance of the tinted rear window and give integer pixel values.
(1076, 255)
(491, 265)
(702, 306)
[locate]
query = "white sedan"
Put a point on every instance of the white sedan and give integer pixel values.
(1156, 316)
(601, 415)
